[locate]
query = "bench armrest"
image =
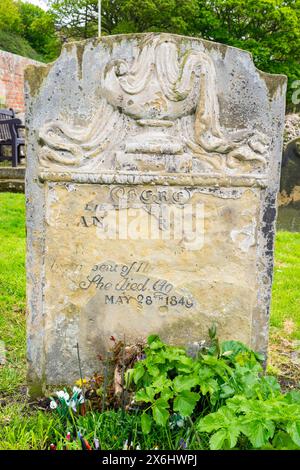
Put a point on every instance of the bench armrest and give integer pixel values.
(9, 122)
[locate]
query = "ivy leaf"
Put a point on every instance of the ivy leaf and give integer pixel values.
(293, 430)
(185, 382)
(146, 423)
(185, 402)
(160, 412)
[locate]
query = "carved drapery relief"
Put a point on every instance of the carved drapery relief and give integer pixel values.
(160, 103)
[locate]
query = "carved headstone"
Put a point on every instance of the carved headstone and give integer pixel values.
(153, 169)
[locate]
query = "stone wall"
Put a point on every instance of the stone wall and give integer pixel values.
(12, 80)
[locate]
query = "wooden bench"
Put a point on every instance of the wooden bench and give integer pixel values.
(10, 136)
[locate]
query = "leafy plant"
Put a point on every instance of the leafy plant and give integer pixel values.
(222, 389)
(272, 423)
(168, 380)
(65, 404)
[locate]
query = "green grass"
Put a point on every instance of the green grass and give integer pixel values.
(22, 427)
(12, 289)
(11, 42)
(286, 286)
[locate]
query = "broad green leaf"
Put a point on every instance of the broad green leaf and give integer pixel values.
(166, 394)
(138, 372)
(293, 397)
(155, 342)
(145, 394)
(283, 441)
(222, 418)
(210, 386)
(233, 433)
(233, 347)
(226, 391)
(161, 382)
(185, 402)
(152, 338)
(153, 370)
(258, 431)
(185, 382)
(294, 431)
(160, 412)
(184, 364)
(146, 422)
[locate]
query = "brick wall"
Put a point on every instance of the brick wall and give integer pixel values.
(12, 80)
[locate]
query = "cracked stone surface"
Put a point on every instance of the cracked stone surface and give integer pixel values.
(151, 185)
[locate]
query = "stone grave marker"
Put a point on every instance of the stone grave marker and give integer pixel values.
(152, 173)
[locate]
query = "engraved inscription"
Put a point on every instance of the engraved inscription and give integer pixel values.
(125, 284)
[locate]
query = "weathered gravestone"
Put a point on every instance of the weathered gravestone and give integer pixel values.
(153, 168)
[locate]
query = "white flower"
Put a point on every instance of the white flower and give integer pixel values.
(53, 405)
(76, 390)
(60, 394)
(73, 405)
(66, 396)
(80, 399)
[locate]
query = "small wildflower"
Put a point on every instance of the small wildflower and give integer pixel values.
(182, 444)
(60, 394)
(76, 390)
(82, 382)
(68, 436)
(81, 399)
(96, 444)
(53, 405)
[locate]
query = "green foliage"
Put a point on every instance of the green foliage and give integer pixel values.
(286, 285)
(28, 30)
(169, 380)
(16, 44)
(12, 290)
(223, 389)
(269, 29)
(38, 28)
(270, 423)
(22, 427)
(10, 19)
